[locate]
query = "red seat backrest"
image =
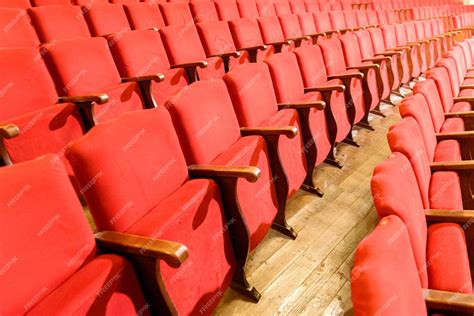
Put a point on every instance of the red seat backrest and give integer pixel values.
(144, 16)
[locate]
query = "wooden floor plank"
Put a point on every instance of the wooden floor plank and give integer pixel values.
(311, 275)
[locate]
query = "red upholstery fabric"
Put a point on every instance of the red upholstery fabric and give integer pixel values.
(16, 4)
(310, 58)
(157, 200)
(450, 65)
(37, 3)
(323, 23)
(334, 60)
(227, 10)
(288, 85)
(447, 249)
(265, 8)
(307, 24)
(176, 13)
(141, 52)
(395, 192)
(44, 127)
(337, 20)
(297, 6)
(49, 22)
(441, 78)
(247, 9)
(85, 66)
(178, 49)
(272, 32)
(104, 19)
(256, 105)
(428, 89)
(205, 109)
(144, 16)
(107, 286)
(445, 191)
(448, 150)
(380, 261)
(88, 3)
(35, 226)
(204, 11)
(282, 7)
(290, 26)
(246, 33)
(18, 34)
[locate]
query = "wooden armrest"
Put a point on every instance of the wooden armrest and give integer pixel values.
(338, 88)
(227, 55)
(453, 166)
(9, 131)
(200, 64)
(467, 86)
(419, 42)
(320, 105)
(317, 34)
(435, 38)
(287, 42)
(345, 30)
(356, 75)
(378, 59)
(459, 114)
(299, 38)
(449, 301)
(99, 98)
(364, 67)
(249, 173)
(410, 45)
(258, 47)
(458, 135)
(464, 99)
(389, 53)
(288, 131)
(451, 216)
(172, 252)
(157, 78)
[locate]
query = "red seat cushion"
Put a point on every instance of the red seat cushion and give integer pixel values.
(107, 286)
(192, 215)
(445, 191)
(144, 16)
(104, 19)
(384, 276)
(453, 125)
(448, 150)
(461, 107)
(447, 254)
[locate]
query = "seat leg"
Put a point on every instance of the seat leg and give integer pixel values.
(350, 141)
(365, 125)
(377, 112)
(331, 160)
(311, 189)
(285, 229)
(240, 284)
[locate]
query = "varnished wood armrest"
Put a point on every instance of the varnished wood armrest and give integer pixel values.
(402, 48)
(9, 131)
(356, 75)
(299, 38)
(317, 34)
(467, 86)
(172, 252)
(453, 166)
(389, 53)
(156, 77)
(320, 105)
(258, 47)
(451, 216)
(459, 114)
(99, 98)
(249, 173)
(410, 45)
(449, 301)
(287, 42)
(337, 87)
(425, 41)
(288, 131)
(378, 59)
(345, 30)
(200, 64)
(227, 55)
(458, 135)
(364, 67)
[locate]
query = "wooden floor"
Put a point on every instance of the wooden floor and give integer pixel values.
(311, 275)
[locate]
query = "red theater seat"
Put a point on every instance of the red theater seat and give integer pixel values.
(176, 13)
(282, 7)
(227, 10)
(49, 22)
(32, 122)
(209, 133)
(265, 7)
(440, 250)
(158, 199)
(204, 11)
(247, 9)
(15, 4)
(141, 53)
(37, 3)
(217, 41)
(85, 66)
(17, 29)
(246, 35)
(184, 49)
(373, 288)
(290, 26)
(256, 107)
(105, 19)
(440, 190)
(64, 264)
(272, 34)
(144, 16)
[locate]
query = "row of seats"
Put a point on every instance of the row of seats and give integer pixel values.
(422, 194)
(178, 135)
